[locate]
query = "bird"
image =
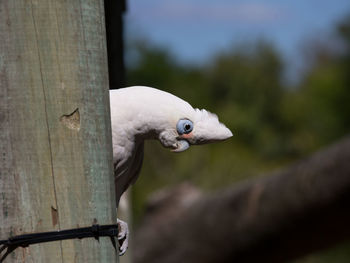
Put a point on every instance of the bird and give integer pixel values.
(140, 113)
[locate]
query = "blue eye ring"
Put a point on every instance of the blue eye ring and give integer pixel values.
(184, 126)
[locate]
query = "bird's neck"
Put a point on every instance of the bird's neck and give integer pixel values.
(142, 130)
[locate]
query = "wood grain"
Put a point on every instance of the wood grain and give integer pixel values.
(53, 65)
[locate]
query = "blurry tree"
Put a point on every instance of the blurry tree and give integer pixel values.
(298, 210)
(321, 113)
(273, 123)
(246, 84)
(318, 110)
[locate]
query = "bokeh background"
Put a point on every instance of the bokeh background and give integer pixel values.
(277, 73)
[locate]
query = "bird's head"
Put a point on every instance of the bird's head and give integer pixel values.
(193, 128)
(179, 125)
(151, 113)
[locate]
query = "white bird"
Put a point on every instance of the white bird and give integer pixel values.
(140, 113)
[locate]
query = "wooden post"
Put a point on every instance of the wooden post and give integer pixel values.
(55, 139)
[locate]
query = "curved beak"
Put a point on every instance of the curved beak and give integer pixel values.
(182, 145)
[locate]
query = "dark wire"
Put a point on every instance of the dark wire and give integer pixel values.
(95, 231)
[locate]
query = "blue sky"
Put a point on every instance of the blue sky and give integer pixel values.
(194, 30)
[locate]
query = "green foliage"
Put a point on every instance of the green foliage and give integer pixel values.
(273, 124)
(338, 254)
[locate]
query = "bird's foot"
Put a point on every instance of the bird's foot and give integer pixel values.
(123, 236)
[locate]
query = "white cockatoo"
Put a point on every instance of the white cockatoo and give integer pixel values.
(140, 113)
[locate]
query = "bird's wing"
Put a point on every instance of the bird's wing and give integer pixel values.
(129, 172)
(137, 164)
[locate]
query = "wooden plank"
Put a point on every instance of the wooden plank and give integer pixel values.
(55, 139)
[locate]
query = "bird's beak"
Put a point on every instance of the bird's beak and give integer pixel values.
(181, 145)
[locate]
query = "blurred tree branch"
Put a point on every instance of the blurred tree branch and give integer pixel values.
(275, 218)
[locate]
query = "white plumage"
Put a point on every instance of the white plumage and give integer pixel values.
(140, 113)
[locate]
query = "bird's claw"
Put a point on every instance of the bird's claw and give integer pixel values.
(123, 236)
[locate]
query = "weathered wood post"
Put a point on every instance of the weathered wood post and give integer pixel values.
(55, 139)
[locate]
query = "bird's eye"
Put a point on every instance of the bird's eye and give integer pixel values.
(184, 126)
